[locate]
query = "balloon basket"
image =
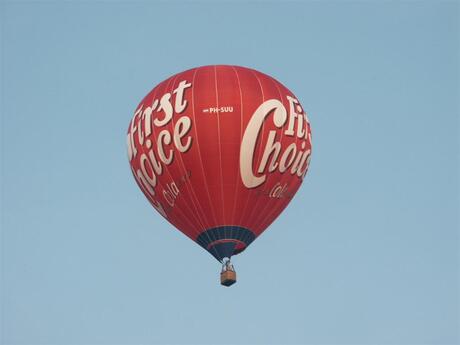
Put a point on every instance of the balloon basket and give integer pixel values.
(228, 278)
(228, 274)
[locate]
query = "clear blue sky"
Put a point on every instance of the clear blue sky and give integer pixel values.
(368, 251)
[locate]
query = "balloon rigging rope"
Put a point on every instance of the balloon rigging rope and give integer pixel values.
(219, 144)
(235, 195)
(200, 157)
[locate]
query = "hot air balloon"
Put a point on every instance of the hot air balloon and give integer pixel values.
(220, 151)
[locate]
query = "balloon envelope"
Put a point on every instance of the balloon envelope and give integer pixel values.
(220, 151)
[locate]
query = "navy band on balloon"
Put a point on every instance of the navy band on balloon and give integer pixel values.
(221, 241)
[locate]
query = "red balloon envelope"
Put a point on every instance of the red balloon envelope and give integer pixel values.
(220, 151)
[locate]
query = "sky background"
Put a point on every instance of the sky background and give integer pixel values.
(366, 253)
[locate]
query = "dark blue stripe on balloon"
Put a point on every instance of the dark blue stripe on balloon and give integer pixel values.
(221, 250)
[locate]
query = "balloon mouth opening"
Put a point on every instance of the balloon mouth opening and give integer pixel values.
(238, 244)
(225, 241)
(225, 248)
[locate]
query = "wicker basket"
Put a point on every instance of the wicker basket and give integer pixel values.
(228, 278)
